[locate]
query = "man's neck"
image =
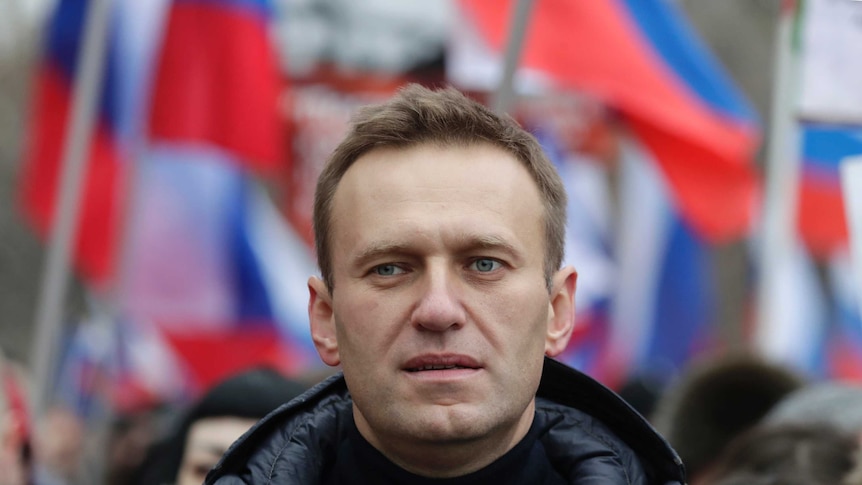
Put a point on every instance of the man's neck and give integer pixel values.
(450, 458)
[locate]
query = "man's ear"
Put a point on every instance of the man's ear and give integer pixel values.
(321, 318)
(561, 318)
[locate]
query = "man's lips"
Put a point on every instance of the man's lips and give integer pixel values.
(437, 362)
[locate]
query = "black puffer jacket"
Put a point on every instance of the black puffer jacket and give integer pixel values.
(597, 438)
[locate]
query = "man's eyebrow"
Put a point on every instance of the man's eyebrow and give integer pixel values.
(488, 241)
(468, 243)
(376, 250)
(492, 242)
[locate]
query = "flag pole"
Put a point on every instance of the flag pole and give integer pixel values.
(851, 189)
(76, 149)
(782, 180)
(506, 90)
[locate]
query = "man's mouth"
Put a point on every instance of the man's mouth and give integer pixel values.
(437, 367)
(425, 363)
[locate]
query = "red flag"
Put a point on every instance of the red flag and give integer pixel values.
(212, 355)
(217, 80)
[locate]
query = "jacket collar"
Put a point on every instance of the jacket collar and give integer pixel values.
(560, 383)
(565, 385)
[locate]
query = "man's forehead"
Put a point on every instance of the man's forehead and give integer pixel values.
(400, 153)
(477, 184)
(480, 162)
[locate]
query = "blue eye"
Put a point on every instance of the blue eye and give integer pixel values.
(387, 270)
(485, 265)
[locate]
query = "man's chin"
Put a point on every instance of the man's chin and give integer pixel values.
(450, 423)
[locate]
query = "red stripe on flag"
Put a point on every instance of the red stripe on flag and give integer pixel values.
(844, 360)
(214, 354)
(218, 82)
(94, 248)
(714, 195)
(821, 222)
(595, 47)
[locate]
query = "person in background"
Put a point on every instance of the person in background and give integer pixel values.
(13, 465)
(131, 435)
(209, 426)
(828, 403)
(439, 229)
(59, 445)
(716, 399)
(833, 404)
(15, 449)
(788, 454)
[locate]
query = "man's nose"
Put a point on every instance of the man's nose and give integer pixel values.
(439, 306)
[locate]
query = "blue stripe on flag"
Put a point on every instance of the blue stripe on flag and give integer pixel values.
(253, 301)
(684, 53)
(65, 38)
(685, 299)
(825, 146)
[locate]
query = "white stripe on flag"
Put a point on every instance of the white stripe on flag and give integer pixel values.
(286, 264)
(642, 234)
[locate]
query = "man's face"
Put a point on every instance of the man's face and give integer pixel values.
(440, 315)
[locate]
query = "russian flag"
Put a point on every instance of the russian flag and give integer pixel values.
(641, 58)
(215, 81)
(205, 256)
(203, 239)
(820, 333)
(218, 80)
(645, 295)
(85, 368)
(664, 301)
(844, 348)
(821, 218)
(127, 366)
(94, 247)
(215, 267)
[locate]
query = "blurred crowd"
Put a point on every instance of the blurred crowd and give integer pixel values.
(734, 419)
(167, 443)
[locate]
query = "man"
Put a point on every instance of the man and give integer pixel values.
(439, 229)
